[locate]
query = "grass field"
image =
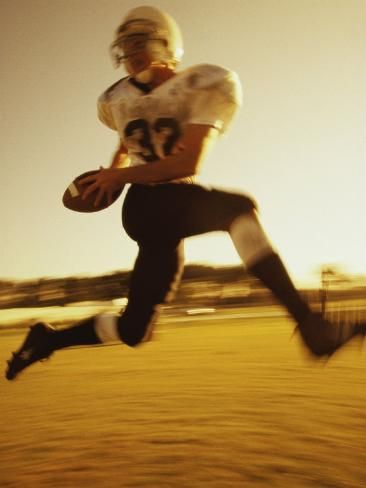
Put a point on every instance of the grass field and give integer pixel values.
(224, 402)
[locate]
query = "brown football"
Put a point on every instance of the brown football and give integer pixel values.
(73, 201)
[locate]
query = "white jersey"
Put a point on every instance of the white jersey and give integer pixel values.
(150, 124)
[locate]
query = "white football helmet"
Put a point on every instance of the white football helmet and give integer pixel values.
(156, 29)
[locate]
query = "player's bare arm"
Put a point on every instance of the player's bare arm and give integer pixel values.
(186, 161)
(194, 146)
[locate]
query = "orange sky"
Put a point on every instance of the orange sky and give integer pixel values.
(298, 145)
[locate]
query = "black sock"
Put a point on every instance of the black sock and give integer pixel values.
(273, 274)
(82, 333)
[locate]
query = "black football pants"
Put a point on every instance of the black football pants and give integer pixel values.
(158, 218)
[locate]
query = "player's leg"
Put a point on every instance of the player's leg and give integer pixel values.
(189, 210)
(154, 279)
(192, 209)
(263, 262)
(321, 336)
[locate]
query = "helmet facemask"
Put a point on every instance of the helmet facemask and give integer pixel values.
(151, 31)
(138, 36)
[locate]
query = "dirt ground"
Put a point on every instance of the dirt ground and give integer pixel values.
(222, 402)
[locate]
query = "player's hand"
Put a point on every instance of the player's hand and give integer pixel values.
(106, 182)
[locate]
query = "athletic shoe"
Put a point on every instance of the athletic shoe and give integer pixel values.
(36, 347)
(324, 337)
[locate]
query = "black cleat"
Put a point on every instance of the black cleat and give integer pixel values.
(323, 337)
(36, 347)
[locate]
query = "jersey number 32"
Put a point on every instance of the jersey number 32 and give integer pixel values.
(152, 142)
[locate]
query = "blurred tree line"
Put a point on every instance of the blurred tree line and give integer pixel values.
(202, 286)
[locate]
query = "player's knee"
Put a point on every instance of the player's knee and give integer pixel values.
(132, 334)
(241, 205)
(246, 204)
(132, 339)
(135, 326)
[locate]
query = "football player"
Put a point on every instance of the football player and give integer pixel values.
(167, 121)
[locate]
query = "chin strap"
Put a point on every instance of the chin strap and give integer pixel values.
(145, 76)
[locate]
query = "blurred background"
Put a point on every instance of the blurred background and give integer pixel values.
(297, 146)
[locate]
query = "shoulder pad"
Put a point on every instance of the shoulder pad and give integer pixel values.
(208, 75)
(107, 94)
